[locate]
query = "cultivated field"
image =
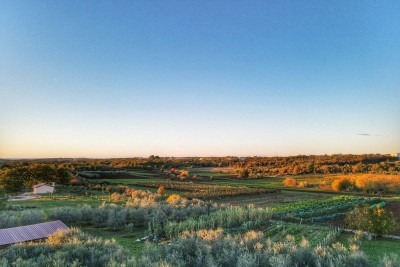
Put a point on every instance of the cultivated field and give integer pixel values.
(129, 207)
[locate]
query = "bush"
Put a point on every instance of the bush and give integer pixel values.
(304, 184)
(289, 182)
(390, 261)
(173, 199)
(31, 217)
(116, 218)
(377, 220)
(65, 214)
(8, 219)
(116, 197)
(3, 199)
(343, 184)
(161, 190)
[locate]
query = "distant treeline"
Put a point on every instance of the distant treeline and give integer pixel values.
(254, 166)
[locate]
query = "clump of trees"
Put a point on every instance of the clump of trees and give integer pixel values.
(137, 212)
(368, 183)
(13, 218)
(16, 179)
(374, 220)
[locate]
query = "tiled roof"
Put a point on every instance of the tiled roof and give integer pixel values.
(30, 232)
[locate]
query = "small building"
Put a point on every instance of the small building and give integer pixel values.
(44, 188)
(31, 232)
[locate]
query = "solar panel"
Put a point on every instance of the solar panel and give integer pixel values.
(30, 232)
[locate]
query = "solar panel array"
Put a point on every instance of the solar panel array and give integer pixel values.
(29, 232)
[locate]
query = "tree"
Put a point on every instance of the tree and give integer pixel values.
(63, 176)
(375, 220)
(161, 190)
(343, 184)
(172, 199)
(13, 180)
(244, 173)
(3, 199)
(359, 167)
(115, 197)
(296, 170)
(289, 182)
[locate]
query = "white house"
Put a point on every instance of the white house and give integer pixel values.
(43, 188)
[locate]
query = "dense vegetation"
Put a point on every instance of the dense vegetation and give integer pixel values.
(201, 248)
(19, 176)
(374, 220)
(256, 165)
(67, 248)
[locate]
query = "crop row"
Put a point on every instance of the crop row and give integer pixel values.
(205, 190)
(330, 207)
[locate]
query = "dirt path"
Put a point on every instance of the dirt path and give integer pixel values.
(23, 196)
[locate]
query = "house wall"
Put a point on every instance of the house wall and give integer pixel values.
(43, 189)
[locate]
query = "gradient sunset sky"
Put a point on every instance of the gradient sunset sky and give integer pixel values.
(196, 78)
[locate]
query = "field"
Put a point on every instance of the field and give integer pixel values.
(301, 212)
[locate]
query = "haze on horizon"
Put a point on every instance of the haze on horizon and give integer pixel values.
(198, 78)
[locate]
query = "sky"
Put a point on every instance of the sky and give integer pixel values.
(198, 78)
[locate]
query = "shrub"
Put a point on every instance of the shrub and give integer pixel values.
(65, 214)
(343, 184)
(116, 197)
(174, 198)
(116, 218)
(99, 217)
(377, 220)
(161, 190)
(8, 219)
(3, 199)
(289, 182)
(86, 213)
(303, 184)
(390, 261)
(31, 217)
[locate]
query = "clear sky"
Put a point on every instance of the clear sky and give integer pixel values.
(195, 78)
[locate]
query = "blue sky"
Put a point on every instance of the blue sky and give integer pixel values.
(196, 78)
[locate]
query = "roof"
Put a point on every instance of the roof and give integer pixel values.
(42, 184)
(30, 232)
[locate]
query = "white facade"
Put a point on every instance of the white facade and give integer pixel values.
(43, 189)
